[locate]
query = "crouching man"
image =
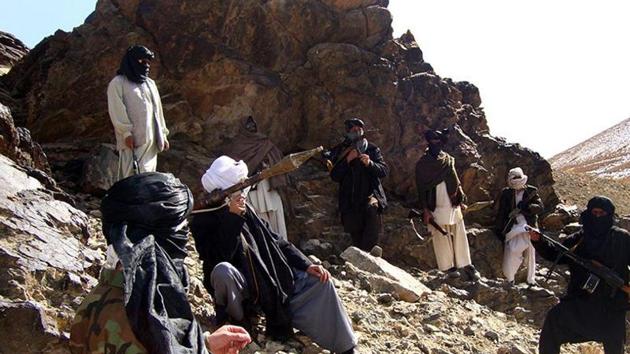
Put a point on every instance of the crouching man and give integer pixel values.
(140, 304)
(246, 265)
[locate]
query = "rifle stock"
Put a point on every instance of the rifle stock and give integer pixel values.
(603, 272)
(413, 213)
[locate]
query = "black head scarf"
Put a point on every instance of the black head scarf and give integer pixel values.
(144, 218)
(432, 135)
(597, 227)
(132, 68)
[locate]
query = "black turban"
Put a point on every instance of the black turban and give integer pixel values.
(598, 226)
(441, 135)
(131, 68)
(353, 122)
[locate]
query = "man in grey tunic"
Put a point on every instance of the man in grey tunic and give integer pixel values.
(135, 110)
(246, 265)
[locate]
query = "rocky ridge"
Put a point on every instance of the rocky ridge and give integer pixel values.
(301, 67)
(605, 155)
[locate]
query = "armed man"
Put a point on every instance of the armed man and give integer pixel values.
(593, 309)
(440, 197)
(358, 167)
(247, 266)
(518, 206)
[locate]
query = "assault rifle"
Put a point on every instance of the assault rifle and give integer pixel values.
(287, 164)
(413, 213)
(598, 271)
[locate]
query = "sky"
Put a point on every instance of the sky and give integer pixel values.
(551, 73)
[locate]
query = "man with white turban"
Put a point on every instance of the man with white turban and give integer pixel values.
(246, 265)
(518, 206)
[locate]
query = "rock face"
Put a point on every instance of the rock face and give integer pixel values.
(16, 143)
(300, 67)
(11, 51)
(45, 266)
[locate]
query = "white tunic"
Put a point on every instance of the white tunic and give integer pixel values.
(268, 205)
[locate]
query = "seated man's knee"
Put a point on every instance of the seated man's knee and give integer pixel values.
(222, 273)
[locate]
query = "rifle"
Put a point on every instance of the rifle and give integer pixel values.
(134, 163)
(413, 213)
(598, 271)
(287, 164)
(514, 213)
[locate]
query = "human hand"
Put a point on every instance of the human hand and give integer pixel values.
(227, 340)
(236, 204)
(534, 236)
(129, 142)
(426, 216)
(167, 145)
(353, 154)
(365, 158)
(318, 271)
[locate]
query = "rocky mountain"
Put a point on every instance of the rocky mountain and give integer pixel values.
(301, 67)
(605, 155)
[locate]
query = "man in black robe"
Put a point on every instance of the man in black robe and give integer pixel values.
(358, 167)
(247, 265)
(599, 314)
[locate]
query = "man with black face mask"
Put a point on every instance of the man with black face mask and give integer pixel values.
(440, 196)
(590, 311)
(135, 110)
(358, 167)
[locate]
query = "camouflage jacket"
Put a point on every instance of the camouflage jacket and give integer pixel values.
(101, 324)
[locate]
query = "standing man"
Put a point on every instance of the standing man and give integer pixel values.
(259, 152)
(246, 265)
(590, 311)
(519, 206)
(440, 196)
(135, 110)
(358, 167)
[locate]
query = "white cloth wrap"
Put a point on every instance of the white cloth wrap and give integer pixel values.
(223, 173)
(516, 178)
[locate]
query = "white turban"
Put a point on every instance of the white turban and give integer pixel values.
(516, 178)
(224, 173)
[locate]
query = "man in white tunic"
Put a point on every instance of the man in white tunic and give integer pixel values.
(440, 197)
(136, 113)
(518, 206)
(259, 152)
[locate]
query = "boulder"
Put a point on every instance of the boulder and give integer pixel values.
(100, 171)
(383, 276)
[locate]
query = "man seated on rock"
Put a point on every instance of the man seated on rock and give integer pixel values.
(440, 196)
(518, 206)
(590, 311)
(246, 266)
(140, 303)
(358, 167)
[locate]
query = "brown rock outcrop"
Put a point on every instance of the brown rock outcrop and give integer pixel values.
(301, 67)
(11, 51)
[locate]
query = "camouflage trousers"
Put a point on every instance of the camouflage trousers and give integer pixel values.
(101, 324)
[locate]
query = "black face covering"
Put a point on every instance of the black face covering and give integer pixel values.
(132, 68)
(598, 227)
(251, 125)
